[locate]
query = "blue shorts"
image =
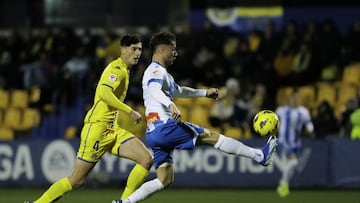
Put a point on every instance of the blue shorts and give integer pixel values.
(169, 136)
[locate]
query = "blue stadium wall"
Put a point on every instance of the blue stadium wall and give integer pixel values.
(332, 163)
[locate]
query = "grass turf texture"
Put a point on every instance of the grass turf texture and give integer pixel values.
(174, 195)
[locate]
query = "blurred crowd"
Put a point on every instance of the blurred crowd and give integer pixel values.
(65, 64)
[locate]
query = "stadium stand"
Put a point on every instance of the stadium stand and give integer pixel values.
(30, 118)
(308, 95)
(4, 98)
(70, 132)
(234, 132)
(199, 115)
(326, 91)
(12, 118)
(6, 134)
(351, 74)
(19, 98)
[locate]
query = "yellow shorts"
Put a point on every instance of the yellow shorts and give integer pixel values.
(98, 138)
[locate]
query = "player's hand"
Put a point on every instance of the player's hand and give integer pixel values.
(136, 116)
(175, 112)
(214, 93)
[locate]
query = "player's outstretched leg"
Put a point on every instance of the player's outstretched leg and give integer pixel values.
(232, 146)
(268, 150)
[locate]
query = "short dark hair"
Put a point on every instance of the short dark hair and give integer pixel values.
(161, 38)
(129, 39)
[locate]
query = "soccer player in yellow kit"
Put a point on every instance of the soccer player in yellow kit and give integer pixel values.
(101, 132)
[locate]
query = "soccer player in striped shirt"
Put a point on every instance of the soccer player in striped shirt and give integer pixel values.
(165, 129)
(294, 120)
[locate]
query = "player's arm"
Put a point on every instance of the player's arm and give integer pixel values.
(107, 95)
(154, 86)
(188, 92)
(309, 128)
(157, 94)
(308, 124)
(214, 93)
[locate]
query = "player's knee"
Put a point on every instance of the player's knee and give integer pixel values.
(214, 135)
(147, 161)
(210, 134)
(209, 137)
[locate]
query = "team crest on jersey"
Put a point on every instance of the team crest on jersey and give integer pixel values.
(112, 77)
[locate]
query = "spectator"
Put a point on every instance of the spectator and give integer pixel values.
(230, 109)
(301, 65)
(355, 122)
(352, 43)
(329, 43)
(325, 121)
(259, 99)
(345, 124)
(33, 73)
(78, 67)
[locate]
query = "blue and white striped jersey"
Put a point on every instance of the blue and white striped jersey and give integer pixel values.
(159, 89)
(292, 122)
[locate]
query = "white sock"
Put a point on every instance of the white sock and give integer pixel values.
(145, 190)
(289, 170)
(232, 146)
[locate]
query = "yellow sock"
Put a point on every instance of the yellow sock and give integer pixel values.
(135, 179)
(55, 191)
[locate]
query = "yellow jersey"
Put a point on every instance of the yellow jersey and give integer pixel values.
(115, 78)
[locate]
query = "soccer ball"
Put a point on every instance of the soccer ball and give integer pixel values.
(266, 122)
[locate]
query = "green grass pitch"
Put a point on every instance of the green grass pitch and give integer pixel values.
(181, 195)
